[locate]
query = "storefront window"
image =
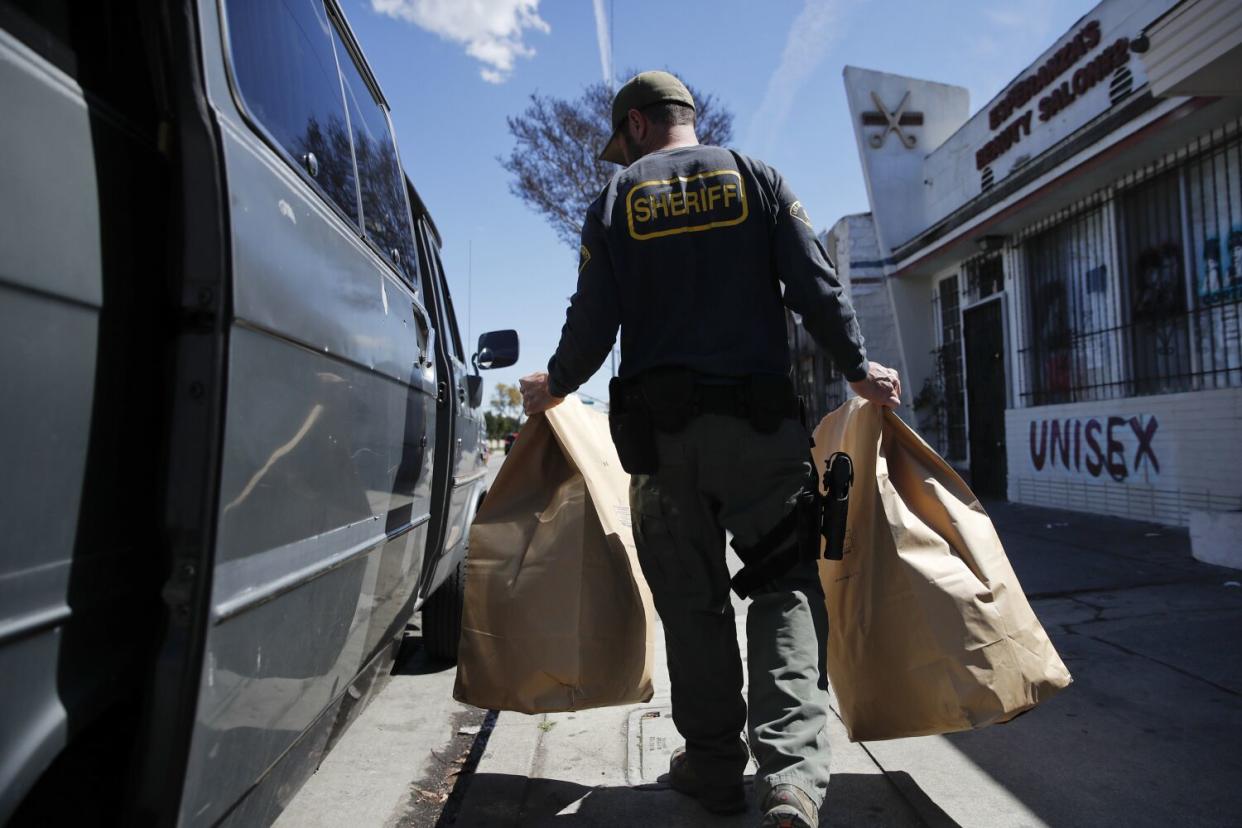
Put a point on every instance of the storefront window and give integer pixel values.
(1153, 256)
(1214, 196)
(1072, 349)
(1172, 319)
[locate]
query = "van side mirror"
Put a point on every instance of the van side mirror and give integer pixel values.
(497, 349)
(474, 390)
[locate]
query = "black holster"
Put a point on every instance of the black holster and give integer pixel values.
(838, 479)
(773, 555)
(815, 517)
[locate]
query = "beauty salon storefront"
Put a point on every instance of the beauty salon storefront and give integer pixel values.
(1064, 266)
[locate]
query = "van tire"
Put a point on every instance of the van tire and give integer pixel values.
(442, 616)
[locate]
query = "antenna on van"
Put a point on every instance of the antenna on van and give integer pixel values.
(470, 294)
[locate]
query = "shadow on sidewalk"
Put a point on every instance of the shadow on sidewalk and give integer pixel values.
(509, 800)
(1148, 732)
(1131, 742)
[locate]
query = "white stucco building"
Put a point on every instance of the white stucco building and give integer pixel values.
(1058, 275)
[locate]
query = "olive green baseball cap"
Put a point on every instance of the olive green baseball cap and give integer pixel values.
(644, 89)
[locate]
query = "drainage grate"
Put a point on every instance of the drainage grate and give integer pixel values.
(652, 739)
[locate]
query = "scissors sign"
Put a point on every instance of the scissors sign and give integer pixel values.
(892, 121)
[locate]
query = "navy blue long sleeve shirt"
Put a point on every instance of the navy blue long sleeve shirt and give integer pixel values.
(686, 251)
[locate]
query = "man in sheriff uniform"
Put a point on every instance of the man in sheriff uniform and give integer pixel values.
(694, 252)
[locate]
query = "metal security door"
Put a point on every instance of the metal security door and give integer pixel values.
(985, 398)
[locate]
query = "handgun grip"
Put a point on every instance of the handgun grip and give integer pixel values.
(838, 478)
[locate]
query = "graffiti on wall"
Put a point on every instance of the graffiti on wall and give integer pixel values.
(1102, 447)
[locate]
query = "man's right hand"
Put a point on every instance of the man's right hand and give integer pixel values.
(881, 386)
(535, 394)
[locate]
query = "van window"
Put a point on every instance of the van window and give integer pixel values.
(435, 288)
(385, 212)
(286, 74)
(452, 317)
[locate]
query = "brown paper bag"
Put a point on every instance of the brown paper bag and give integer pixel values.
(929, 630)
(557, 614)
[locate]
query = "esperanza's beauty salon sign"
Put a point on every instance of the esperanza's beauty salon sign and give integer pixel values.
(1063, 88)
(1114, 446)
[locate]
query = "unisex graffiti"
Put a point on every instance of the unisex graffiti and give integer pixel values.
(1075, 446)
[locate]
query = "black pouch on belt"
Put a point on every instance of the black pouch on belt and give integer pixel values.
(629, 420)
(770, 399)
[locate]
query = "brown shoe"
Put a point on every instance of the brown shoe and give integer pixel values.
(787, 806)
(719, 798)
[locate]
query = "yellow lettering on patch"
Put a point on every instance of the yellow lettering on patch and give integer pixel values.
(713, 195)
(686, 204)
(642, 210)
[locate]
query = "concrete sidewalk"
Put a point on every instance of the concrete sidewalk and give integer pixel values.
(1147, 735)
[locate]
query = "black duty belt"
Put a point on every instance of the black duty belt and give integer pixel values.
(667, 399)
(729, 400)
(736, 401)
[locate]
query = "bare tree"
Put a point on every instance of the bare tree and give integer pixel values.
(507, 401)
(553, 162)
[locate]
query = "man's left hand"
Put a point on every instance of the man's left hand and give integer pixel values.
(535, 394)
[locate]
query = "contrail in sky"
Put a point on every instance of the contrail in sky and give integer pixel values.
(605, 42)
(810, 37)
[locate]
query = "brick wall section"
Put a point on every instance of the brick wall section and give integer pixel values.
(1197, 442)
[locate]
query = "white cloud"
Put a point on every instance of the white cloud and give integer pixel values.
(1028, 18)
(1009, 18)
(810, 37)
(491, 30)
(604, 39)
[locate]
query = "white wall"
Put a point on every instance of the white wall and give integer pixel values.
(893, 172)
(1194, 438)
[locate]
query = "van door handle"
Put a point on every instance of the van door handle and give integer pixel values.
(428, 357)
(461, 394)
(427, 352)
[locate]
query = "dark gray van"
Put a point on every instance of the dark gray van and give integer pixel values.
(238, 426)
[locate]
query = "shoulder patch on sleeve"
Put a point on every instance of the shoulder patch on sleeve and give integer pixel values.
(584, 257)
(799, 212)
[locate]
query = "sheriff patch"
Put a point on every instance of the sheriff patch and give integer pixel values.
(686, 205)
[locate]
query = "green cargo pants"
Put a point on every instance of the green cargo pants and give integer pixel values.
(718, 475)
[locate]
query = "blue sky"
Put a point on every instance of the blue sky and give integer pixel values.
(454, 69)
